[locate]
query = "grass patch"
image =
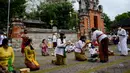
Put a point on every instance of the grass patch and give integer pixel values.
(105, 66)
(59, 67)
(85, 71)
(112, 47)
(128, 71)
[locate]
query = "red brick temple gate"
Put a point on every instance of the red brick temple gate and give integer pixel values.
(90, 14)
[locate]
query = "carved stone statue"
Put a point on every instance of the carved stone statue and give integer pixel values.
(84, 5)
(100, 7)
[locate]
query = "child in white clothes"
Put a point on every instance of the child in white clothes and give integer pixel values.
(70, 47)
(93, 53)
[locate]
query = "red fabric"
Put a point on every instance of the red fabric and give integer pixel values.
(99, 36)
(24, 40)
(44, 48)
(95, 43)
(32, 66)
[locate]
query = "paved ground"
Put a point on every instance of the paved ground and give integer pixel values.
(116, 64)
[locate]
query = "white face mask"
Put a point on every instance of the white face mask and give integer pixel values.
(119, 28)
(9, 44)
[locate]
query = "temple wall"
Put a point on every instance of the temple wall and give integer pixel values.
(38, 36)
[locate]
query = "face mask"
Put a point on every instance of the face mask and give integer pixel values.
(9, 44)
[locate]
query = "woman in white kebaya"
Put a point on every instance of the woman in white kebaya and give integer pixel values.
(80, 49)
(60, 51)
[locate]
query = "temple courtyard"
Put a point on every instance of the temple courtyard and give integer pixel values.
(116, 64)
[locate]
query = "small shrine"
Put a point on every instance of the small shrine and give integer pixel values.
(17, 27)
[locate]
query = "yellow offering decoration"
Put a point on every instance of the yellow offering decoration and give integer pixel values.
(87, 41)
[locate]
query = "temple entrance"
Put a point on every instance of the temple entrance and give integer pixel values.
(95, 22)
(90, 14)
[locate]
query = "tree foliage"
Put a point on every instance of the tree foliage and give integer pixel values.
(33, 15)
(107, 22)
(122, 16)
(58, 12)
(17, 8)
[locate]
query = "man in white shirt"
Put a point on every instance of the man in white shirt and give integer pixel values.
(103, 44)
(54, 40)
(123, 41)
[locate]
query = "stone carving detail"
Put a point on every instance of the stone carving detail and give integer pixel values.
(85, 5)
(97, 2)
(100, 7)
(95, 6)
(102, 16)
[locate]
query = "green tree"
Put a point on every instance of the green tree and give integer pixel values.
(33, 15)
(56, 0)
(58, 12)
(17, 7)
(122, 16)
(73, 20)
(107, 22)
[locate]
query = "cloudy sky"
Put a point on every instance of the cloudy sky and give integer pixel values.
(113, 7)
